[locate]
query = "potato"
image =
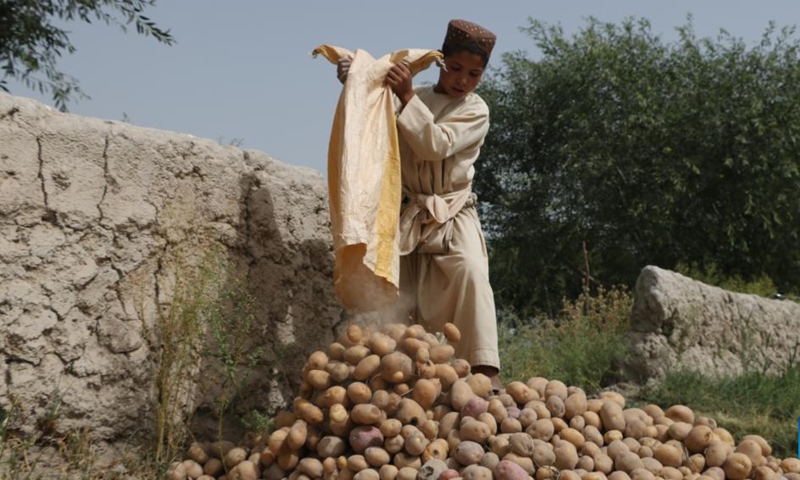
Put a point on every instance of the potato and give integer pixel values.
(572, 436)
(521, 444)
(627, 462)
(611, 415)
(752, 449)
(338, 371)
(593, 419)
(642, 474)
(460, 393)
(331, 446)
(521, 393)
(566, 455)
(527, 416)
(449, 422)
(429, 428)
(395, 331)
(696, 463)
(411, 345)
(510, 425)
(699, 437)
(541, 429)
(449, 474)
(790, 465)
(425, 392)
(764, 473)
(619, 475)
(404, 460)
(367, 367)
(297, 435)
(366, 414)
(543, 453)
(652, 465)
(388, 472)
(475, 407)
(525, 462)
(557, 388)
(716, 453)
(376, 456)
(635, 428)
(220, 448)
(570, 475)
(441, 353)
(288, 460)
(367, 474)
(394, 444)
(508, 470)
(359, 393)
(680, 413)
(431, 470)
(397, 367)
(246, 470)
(555, 405)
(356, 463)
(558, 424)
(307, 411)
(474, 430)
(575, 405)
(415, 443)
(213, 467)
(381, 344)
(766, 449)
(453, 439)
(480, 384)
(593, 475)
(680, 430)
(612, 435)
(192, 469)
(235, 456)
(737, 466)
(365, 436)
(468, 452)
(603, 463)
(310, 466)
(438, 449)
(615, 397)
(355, 354)
(668, 455)
(589, 448)
(410, 412)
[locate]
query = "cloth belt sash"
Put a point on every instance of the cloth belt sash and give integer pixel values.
(425, 220)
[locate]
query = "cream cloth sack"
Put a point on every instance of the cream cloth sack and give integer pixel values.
(364, 181)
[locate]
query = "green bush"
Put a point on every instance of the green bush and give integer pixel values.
(581, 347)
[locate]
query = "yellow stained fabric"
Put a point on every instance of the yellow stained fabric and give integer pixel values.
(364, 178)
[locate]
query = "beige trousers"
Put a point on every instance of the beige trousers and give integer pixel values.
(454, 287)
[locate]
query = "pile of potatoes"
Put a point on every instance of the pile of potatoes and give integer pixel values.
(392, 403)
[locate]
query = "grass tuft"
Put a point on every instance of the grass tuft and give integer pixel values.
(582, 347)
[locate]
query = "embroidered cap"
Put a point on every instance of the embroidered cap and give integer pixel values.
(461, 32)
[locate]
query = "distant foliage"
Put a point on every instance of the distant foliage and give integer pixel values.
(650, 152)
(33, 38)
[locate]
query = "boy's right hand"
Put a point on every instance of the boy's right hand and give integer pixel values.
(342, 67)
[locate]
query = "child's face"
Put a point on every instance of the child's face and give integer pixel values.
(464, 72)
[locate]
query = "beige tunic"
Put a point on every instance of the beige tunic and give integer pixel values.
(444, 269)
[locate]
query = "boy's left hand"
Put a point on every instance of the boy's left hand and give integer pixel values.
(399, 79)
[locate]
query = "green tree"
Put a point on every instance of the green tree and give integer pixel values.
(649, 152)
(32, 38)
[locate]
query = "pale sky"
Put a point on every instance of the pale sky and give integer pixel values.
(241, 69)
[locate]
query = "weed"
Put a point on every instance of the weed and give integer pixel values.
(751, 403)
(581, 347)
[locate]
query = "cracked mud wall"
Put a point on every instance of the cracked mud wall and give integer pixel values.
(682, 324)
(93, 214)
